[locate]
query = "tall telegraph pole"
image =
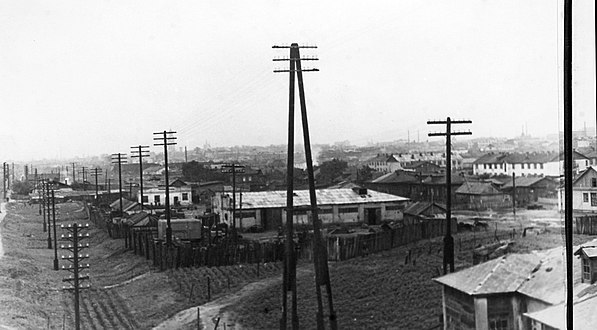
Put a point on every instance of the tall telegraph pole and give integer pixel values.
(448, 239)
(166, 140)
(119, 159)
(96, 172)
(319, 250)
(140, 152)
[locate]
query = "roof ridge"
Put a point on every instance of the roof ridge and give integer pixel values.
(501, 262)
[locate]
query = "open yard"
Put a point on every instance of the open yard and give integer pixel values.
(380, 290)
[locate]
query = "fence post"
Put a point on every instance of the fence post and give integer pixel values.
(208, 289)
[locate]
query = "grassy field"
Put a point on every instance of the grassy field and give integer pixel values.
(381, 290)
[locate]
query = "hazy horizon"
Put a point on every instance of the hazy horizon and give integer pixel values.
(97, 78)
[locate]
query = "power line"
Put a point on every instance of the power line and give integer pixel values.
(320, 252)
(166, 140)
(448, 239)
(119, 159)
(140, 152)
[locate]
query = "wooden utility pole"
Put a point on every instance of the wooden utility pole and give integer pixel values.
(54, 227)
(43, 202)
(4, 180)
(140, 152)
(119, 159)
(568, 162)
(448, 239)
(96, 172)
(233, 168)
(83, 171)
(75, 237)
(319, 250)
(166, 140)
(74, 174)
(513, 193)
(48, 212)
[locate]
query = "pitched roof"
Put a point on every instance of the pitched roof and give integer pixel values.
(477, 188)
(277, 199)
(524, 181)
(583, 173)
(384, 158)
(501, 275)
(419, 207)
(396, 177)
(584, 316)
(589, 251)
(537, 275)
(518, 158)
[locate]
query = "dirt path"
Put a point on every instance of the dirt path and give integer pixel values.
(211, 312)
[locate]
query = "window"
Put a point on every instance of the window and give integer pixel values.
(586, 270)
(535, 166)
(145, 199)
(185, 196)
(593, 182)
(156, 199)
(499, 323)
(541, 166)
(536, 325)
(348, 210)
(593, 199)
(484, 166)
(585, 197)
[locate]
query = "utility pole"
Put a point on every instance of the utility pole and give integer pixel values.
(54, 225)
(49, 206)
(320, 253)
(166, 140)
(43, 201)
(140, 152)
(75, 237)
(83, 171)
(74, 173)
(233, 168)
(513, 193)
(448, 239)
(96, 172)
(4, 180)
(119, 159)
(568, 162)
(38, 192)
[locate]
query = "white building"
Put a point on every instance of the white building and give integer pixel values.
(266, 208)
(522, 164)
(179, 196)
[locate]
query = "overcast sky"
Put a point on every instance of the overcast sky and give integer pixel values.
(89, 77)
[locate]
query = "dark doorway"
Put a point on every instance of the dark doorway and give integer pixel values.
(373, 216)
(271, 219)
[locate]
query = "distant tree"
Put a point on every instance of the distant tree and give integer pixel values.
(22, 187)
(331, 169)
(193, 171)
(365, 173)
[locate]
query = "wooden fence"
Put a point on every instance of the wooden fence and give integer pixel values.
(586, 225)
(195, 254)
(346, 247)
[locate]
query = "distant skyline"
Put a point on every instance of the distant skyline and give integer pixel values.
(91, 78)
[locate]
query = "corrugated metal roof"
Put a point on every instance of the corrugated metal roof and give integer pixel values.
(277, 199)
